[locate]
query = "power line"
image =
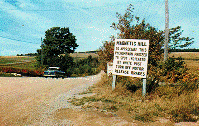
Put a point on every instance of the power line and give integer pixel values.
(17, 40)
(33, 10)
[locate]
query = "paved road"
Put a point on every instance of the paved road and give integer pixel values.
(28, 100)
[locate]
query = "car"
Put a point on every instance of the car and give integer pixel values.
(54, 72)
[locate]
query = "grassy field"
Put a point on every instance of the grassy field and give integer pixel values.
(15, 59)
(78, 56)
(191, 59)
(28, 62)
(22, 62)
(186, 55)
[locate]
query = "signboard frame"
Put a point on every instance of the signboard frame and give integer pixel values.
(131, 57)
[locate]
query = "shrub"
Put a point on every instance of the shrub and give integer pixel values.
(85, 67)
(23, 72)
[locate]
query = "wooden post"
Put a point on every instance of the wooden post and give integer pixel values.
(113, 83)
(144, 87)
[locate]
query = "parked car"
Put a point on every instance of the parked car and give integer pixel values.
(54, 72)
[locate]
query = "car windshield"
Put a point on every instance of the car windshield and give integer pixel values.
(53, 68)
(49, 73)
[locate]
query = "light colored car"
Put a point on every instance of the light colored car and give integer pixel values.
(54, 72)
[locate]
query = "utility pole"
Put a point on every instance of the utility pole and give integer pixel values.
(42, 52)
(166, 30)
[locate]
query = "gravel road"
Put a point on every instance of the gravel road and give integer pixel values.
(30, 100)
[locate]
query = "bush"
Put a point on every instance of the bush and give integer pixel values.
(85, 67)
(23, 72)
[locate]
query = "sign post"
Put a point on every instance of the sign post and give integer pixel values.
(113, 83)
(110, 73)
(144, 87)
(109, 68)
(131, 58)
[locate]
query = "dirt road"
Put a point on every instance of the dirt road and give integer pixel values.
(31, 101)
(44, 102)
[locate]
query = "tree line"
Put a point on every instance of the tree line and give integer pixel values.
(184, 50)
(29, 54)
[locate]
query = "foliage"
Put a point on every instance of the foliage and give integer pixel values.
(184, 50)
(57, 45)
(177, 41)
(171, 71)
(174, 98)
(6, 75)
(59, 41)
(29, 54)
(106, 54)
(130, 27)
(23, 72)
(85, 67)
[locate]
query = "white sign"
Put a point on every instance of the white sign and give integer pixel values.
(131, 57)
(109, 69)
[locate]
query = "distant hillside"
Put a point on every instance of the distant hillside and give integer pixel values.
(82, 55)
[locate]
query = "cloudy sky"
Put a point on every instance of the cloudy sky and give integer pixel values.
(24, 22)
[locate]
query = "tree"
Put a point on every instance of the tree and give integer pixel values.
(59, 41)
(106, 53)
(130, 27)
(57, 44)
(176, 41)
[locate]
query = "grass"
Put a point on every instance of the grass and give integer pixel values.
(17, 62)
(6, 75)
(168, 105)
(22, 62)
(175, 103)
(185, 55)
(191, 59)
(14, 59)
(28, 62)
(78, 56)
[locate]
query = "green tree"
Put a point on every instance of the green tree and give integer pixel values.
(130, 27)
(176, 41)
(59, 41)
(57, 44)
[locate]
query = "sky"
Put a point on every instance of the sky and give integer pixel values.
(24, 22)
